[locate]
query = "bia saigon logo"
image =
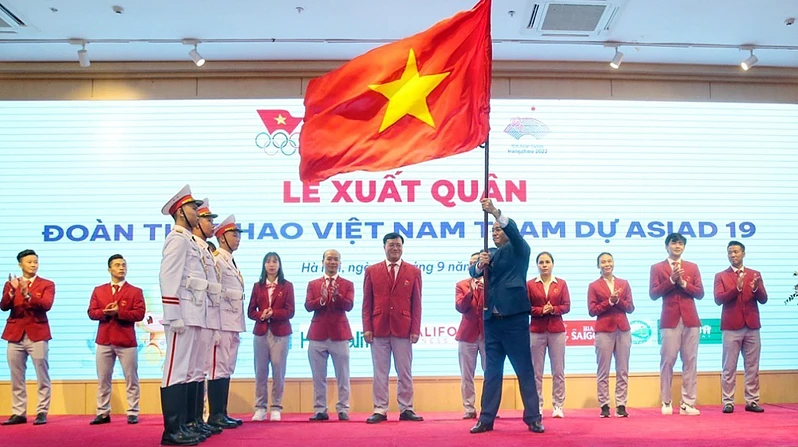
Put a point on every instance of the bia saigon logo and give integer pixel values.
(280, 135)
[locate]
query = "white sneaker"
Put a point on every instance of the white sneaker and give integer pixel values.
(557, 413)
(688, 410)
(260, 415)
(275, 416)
(667, 408)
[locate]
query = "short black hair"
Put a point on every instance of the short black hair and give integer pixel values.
(24, 253)
(598, 258)
(537, 259)
(675, 237)
(739, 244)
(392, 236)
(113, 258)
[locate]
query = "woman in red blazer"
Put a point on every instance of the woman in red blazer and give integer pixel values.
(272, 307)
(550, 300)
(609, 299)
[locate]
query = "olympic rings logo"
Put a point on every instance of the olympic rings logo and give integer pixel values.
(279, 141)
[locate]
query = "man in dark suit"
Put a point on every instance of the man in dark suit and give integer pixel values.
(506, 315)
(391, 325)
(28, 333)
(678, 283)
(117, 305)
(330, 298)
(740, 290)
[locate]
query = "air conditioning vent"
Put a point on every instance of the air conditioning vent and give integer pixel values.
(9, 22)
(578, 19)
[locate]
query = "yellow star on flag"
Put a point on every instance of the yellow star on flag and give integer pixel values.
(280, 119)
(408, 95)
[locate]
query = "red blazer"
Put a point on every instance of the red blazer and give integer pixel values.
(469, 303)
(392, 311)
(121, 329)
(609, 318)
(740, 309)
(28, 317)
(676, 301)
(559, 297)
(282, 307)
(329, 321)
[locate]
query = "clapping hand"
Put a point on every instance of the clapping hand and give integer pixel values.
(547, 308)
(112, 309)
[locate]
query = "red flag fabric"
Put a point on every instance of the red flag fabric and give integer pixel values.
(417, 99)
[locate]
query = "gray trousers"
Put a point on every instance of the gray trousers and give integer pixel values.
(270, 350)
(555, 342)
(619, 344)
(17, 356)
(318, 352)
(467, 353)
(129, 360)
(402, 350)
(682, 341)
(747, 341)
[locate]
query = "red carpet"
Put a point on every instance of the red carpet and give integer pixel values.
(778, 426)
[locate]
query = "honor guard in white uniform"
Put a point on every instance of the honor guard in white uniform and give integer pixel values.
(209, 335)
(184, 296)
(232, 321)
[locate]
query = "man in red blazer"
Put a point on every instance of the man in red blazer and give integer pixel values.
(678, 283)
(330, 298)
(391, 324)
(28, 333)
(740, 290)
(117, 305)
(470, 336)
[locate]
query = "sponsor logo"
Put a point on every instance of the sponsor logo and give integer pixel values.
(709, 332)
(579, 333)
(641, 332)
(281, 135)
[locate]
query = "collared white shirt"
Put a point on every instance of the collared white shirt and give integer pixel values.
(545, 285)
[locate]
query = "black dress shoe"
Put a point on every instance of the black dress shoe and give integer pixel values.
(15, 419)
(101, 419)
(481, 428)
(234, 420)
(728, 408)
(470, 415)
(409, 415)
(41, 419)
(343, 416)
(754, 407)
(319, 417)
(536, 427)
(376, 418)
(132, 419)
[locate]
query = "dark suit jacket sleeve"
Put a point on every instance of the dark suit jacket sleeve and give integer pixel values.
(625, 300)
(313, 297)
(472, 270)
(345, 301)
(137, 307)
(695, 288)
(463, 298)
(415, 311)
(597, 302)
(287, 312)
(45, 301)
(565, 302)
(658, 287)
(535, 311)
(519, 245)
(95, 310)
(252, 310)
(368, 302)
(722, 294)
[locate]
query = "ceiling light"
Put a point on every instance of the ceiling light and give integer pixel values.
(83, 55)
(750, 62)
(196, 57)
(616, 60)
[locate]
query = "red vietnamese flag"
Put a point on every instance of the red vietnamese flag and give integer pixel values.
(417, 99)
